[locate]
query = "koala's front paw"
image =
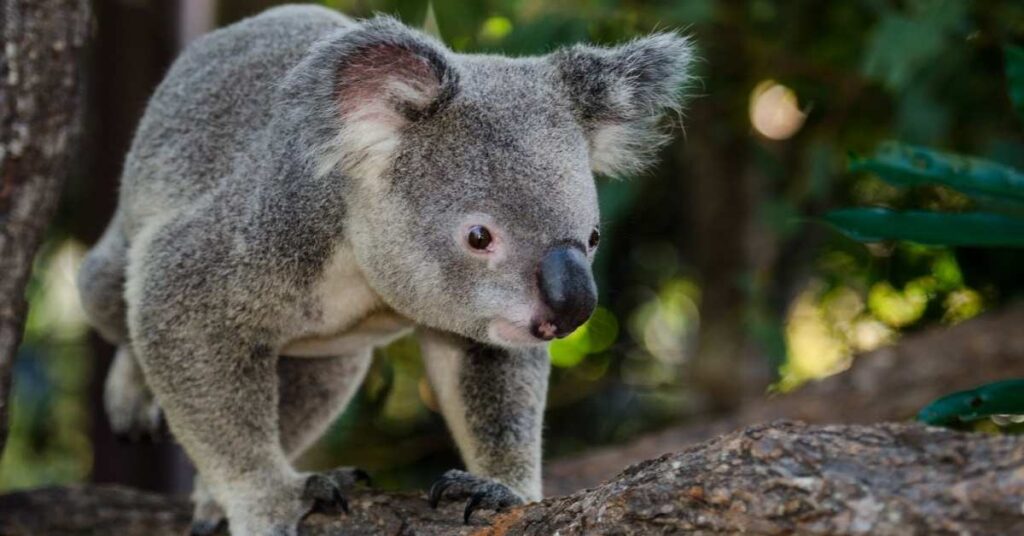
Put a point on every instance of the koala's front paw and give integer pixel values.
(482, 492)
(326, 489)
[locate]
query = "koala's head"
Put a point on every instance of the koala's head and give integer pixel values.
(473, 207)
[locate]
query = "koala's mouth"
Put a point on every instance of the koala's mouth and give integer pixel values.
(505, 332)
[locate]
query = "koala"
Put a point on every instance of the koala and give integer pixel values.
(304, 188)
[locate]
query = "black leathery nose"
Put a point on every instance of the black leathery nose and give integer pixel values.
(567, 287)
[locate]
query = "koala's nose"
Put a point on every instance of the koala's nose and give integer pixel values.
(567, 288)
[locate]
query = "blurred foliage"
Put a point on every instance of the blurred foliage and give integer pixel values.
(985, 184)
(793, 85)
(988, 186)
(1015, 77)
(49, 437)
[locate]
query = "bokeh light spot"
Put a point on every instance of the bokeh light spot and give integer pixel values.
(774, 110)
(596, 335)
(495, 29)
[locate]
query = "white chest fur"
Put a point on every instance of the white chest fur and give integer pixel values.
(345, 315)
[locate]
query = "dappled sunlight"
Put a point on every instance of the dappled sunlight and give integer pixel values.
(814, 349)
(962, 304)
(823, 332)
(826, 326)
(895, 307)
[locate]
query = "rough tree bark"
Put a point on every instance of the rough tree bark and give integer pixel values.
(779, 478)
(40, 97)
(889, 384)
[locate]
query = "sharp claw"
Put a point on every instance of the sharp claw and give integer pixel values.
(437, 490)
(327, 498)
(471, 506)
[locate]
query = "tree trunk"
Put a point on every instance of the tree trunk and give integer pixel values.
(40, 113)
(780, 478)
(889, 384)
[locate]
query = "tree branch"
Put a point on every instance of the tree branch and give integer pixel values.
(779, 478)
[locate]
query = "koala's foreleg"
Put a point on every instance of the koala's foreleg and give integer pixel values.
(312, 392)
(493, 401)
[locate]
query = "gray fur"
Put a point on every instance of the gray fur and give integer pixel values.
(296, 187)
(131, 409)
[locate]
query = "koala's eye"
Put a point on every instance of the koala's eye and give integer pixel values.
(595, 237)
(479, 237)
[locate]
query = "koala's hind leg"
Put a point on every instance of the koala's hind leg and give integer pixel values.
(312, 391)
(100, 284)
(493, 401)
(131, 409)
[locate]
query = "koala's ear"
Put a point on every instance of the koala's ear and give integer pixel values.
(620, 94)
(387, 77)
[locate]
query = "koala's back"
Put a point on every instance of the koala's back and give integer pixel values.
(212, 106)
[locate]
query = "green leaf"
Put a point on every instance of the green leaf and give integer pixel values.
(1015, 77)
(936, 228)
(908, 165)
(1000, 398)
(1007, 206)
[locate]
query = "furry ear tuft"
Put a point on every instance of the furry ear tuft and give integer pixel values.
(620, 94)
(387, 77)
